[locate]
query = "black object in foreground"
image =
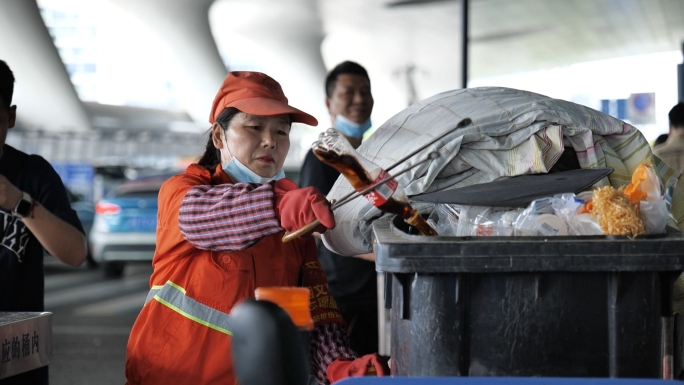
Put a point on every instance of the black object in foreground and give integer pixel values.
(267, 348)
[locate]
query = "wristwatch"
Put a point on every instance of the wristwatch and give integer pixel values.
(24, 206)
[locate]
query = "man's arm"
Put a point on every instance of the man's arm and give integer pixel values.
(367, 257)
(62, 240)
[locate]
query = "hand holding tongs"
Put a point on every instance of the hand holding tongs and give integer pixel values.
(354, 194)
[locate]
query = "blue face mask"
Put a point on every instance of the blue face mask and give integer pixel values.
(242, 174)
(351, 129)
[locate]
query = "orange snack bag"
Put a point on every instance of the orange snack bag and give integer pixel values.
(586, 208)
(633, 190)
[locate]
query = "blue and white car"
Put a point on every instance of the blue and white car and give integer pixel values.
(125, 224)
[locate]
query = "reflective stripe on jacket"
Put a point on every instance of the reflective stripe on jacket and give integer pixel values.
(173, 297)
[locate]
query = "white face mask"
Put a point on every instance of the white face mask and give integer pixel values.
(238, 171)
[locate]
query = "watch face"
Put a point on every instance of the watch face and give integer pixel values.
(23, 208)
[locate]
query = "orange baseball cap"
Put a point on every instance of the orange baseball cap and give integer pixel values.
(255, 93)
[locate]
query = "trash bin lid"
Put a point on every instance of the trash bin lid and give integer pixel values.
(396, 251)
(518, 191)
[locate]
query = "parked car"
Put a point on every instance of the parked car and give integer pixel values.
(125, 224)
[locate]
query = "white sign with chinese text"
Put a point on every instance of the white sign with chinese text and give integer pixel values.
(26, 341)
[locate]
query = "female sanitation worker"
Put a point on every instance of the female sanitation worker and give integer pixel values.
(219, 232)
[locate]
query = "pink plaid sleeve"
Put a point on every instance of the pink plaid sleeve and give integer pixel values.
(228, 217)
(328, 343)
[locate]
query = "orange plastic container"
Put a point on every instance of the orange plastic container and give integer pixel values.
(294, 300)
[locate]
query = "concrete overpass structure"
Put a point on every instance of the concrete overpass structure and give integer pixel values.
(412, 49)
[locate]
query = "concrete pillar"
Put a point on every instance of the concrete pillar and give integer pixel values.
(184, 25)
(282, 39)
(44, 95)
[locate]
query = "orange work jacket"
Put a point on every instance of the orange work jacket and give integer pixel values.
(172, 342)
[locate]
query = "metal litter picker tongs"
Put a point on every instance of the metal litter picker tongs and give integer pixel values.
(354, 194)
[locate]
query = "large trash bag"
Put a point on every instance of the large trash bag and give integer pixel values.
(513, 133)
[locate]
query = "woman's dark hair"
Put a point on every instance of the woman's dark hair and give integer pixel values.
(212, 156)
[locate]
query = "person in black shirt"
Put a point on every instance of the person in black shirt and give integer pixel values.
(352, 279)
(36, 215)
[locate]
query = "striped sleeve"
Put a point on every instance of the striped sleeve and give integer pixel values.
(228, 217)
(328, 343)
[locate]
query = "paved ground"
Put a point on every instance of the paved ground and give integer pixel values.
(92, 318)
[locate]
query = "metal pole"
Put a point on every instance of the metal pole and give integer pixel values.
(667, 321)
(680, 78)
(667, 354)
(464, 43)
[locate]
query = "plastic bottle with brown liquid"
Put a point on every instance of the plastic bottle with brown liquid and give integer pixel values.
(333, 149)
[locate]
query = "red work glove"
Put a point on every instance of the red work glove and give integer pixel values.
(368, 365)
(297, 207)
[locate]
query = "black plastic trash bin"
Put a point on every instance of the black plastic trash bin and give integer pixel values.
(526, 306)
